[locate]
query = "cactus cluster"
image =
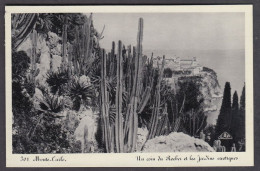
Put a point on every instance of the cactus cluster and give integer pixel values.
(127, 86)
(82, 53)
(135, 77)
(134, 81)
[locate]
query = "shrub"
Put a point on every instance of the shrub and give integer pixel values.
(50, 138)
(20, 65)
(29, 86)
(22, 106)
(167, 73)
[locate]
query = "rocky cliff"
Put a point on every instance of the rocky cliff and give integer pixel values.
(208, 86)
(48, 54)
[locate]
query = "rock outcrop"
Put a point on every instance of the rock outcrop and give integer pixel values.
(176, 142)
(48, 54)
(209, 88)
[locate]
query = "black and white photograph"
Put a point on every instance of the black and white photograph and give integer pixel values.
(128, 82)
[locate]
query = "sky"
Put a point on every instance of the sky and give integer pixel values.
(168, 31)
(216, 39)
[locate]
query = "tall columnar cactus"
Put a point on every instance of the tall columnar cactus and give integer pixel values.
(70, 56)
(163, 127)
(77, 51)
(34, 48)
(157, 101)
(119, 118)
(145, 97)
(129, 70)
(88, 32)
(134, 81)
(64, 40)
(200, 124)
(83, 46)
(112, 64)
(104, 103)
(131, 125)
(147, 81)
(34, 71)
(196, 123)
(177, 122)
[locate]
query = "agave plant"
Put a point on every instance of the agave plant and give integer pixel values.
(81, 93)
(57, 81)
(50, 103)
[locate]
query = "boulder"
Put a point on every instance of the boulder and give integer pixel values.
(141, 137)
(176, 142)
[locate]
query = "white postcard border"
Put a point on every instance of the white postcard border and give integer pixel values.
(130, 159)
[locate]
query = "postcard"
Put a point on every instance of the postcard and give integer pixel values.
(129, 86)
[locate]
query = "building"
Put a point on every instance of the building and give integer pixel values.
(182, 65)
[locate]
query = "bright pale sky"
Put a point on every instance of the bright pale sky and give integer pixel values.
(200, 31)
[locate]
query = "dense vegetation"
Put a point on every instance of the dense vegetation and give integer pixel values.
(232, 118)
(122, 87)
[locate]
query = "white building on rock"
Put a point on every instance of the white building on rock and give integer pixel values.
(181, 65)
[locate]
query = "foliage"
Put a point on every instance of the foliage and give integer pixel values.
(209, 130)
(54, 22)
(44, 23)
(194, 119)
(189, 89)
(243, 99)
(185, 103)
(22, 106)
(21, 103)
(20, 65)
(235, 117)
(58, 80)
(29, 86)
(81, 94)
(181, 72)
(241, 119)
(126, 108)
(40, 130)
(50, 138)
(74, 19)
(167, 73)
(224, 118)
(33, 133)
(51, 103)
